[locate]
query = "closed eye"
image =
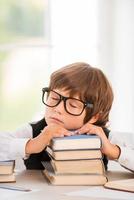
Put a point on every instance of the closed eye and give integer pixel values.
(73, 106)
(54, 98)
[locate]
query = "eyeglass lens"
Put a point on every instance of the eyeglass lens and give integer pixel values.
(72, 106)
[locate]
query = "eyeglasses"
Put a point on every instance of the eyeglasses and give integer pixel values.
(72, 106)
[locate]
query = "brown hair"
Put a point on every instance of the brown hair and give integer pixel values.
(90, 84)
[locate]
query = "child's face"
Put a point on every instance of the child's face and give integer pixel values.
(58, 114)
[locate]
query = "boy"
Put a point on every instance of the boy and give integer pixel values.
(78, 94)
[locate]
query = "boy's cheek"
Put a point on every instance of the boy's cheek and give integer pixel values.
(46, 115)
(47, 112)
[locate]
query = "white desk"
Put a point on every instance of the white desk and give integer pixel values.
(42, 190)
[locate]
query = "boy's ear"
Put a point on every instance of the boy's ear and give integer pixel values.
(94, 119)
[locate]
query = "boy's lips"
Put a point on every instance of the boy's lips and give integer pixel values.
(56, 120)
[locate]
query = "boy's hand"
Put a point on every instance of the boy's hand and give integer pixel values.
(110, 150)
(54, 130)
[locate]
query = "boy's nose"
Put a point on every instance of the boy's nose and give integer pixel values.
(60, 107)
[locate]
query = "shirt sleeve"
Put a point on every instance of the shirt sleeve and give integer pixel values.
(125, 140)
(12, 144)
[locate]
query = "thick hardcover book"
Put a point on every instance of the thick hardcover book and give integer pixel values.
(75, 154)
(77, 166)
(126, 185)
(76, 142)
(74, 179)
(7, 167)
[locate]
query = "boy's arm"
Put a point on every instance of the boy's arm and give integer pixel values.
(119, 146)
(38, 144)
(21, 142)
(125, 140)
(126, 158)
(12, 144)
(112, 151)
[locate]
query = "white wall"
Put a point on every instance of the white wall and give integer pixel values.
(73, 31)
(116, 42)
(99, 32)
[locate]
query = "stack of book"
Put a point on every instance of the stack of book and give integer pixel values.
(7, 171)
(75, 160)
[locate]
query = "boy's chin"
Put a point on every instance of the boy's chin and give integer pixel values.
(71, 128)
(55, 123)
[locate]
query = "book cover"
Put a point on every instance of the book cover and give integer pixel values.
(7, 167)
(74, 179)
(74, 154)
(76, 142)
(126, 185)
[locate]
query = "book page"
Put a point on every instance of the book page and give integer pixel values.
(102, 193)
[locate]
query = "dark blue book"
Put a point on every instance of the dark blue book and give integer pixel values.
(76, 142)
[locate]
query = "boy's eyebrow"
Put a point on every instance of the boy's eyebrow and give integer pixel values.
(68, 96)
(73, 97)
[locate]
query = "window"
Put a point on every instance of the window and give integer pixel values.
(24, 59)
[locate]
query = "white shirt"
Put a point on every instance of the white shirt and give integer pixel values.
(12, 145)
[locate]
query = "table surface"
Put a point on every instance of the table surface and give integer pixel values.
(42, 190)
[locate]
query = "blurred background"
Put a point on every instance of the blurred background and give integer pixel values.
(39, 36)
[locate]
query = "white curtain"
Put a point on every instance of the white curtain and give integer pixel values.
(100, 32)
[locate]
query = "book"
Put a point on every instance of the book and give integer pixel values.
(7, 178)
(77, 166)
(74, 154)
(7, 167)
(74, 179)
(126, 185)
(76, 142)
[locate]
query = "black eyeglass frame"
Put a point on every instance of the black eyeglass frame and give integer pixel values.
(64, 99)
